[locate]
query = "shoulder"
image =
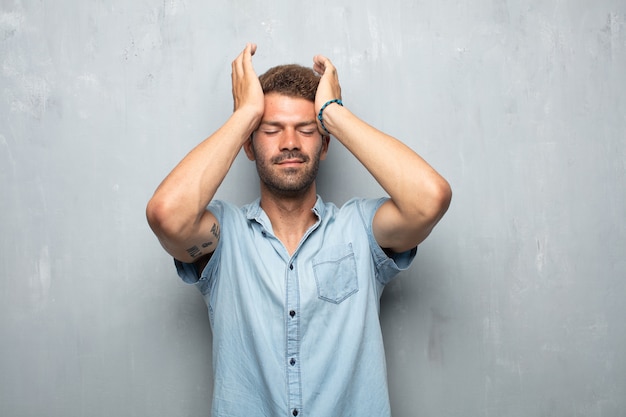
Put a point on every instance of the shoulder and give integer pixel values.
(224, 209)
(356, 214)
(365, 208)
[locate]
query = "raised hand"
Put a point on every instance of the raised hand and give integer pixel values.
(246, 88)
(329, 88)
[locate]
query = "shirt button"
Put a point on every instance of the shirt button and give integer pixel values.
(292, 313)
(292, 361)
(291, 267)
(294, 412)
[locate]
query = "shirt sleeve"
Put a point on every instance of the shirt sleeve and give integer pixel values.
(188, 272)
(387, 266)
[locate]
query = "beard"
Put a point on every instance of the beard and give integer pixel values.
(289, 182)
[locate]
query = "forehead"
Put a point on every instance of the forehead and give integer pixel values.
(280, 108)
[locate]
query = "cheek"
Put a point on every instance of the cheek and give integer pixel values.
(323, 152)
(255, 150)
(322, 149)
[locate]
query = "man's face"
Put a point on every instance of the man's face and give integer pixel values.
(287, 146)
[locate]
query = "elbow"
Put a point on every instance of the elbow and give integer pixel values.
(439, 199)
(444, 197)
(162, 218)
(155, 214)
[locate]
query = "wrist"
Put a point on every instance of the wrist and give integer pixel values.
(248, 116)
(243, 122)
(320, 115)
(252, 112)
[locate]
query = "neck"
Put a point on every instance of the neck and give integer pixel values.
(290, 216)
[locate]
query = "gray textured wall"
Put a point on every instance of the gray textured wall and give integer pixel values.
(514, 306)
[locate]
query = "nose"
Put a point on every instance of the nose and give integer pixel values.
(289, 140)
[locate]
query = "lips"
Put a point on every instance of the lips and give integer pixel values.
(290, 161)
(290, 158)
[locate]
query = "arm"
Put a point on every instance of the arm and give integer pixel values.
(419, 196)
(177, 211)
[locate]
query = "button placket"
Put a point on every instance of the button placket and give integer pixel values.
(293, 338)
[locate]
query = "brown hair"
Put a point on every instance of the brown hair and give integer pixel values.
(291, 80)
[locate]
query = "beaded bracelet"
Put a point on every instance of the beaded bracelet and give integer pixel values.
(319, 116)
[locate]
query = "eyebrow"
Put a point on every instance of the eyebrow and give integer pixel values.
(279, 124)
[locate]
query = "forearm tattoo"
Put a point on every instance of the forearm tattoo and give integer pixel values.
(195, 251)
(216, 231)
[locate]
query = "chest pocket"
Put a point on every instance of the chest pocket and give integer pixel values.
(334, 269)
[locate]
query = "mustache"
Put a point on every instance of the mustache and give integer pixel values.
(290, 155)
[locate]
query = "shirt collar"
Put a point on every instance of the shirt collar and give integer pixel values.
(255, 212)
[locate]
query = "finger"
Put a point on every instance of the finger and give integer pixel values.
(249, 51)
(237, 73)
(322, 64)
(318, 64)
(237, 65)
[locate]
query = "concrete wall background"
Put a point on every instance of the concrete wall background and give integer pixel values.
(514, 306)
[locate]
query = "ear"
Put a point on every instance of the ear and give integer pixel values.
(325, 145)
(248, 148)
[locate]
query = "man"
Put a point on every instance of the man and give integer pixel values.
(293, 284)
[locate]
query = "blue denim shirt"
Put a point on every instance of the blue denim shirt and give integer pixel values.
(297, 335)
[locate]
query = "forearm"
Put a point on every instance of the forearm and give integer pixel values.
(182, 197)
(413, 185)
